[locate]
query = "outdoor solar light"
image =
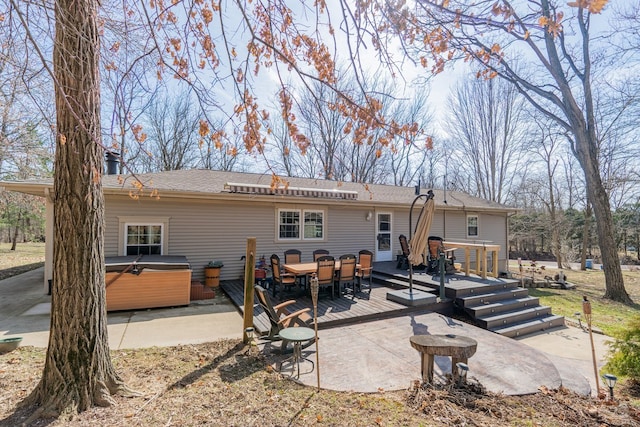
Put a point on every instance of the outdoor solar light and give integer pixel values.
(463, 368)
(610, 381)
(249, 332)
(579, 318)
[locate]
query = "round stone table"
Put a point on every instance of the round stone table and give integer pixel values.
(460, 348)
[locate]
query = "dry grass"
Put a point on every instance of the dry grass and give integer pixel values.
(219, 384)
(26, 257)
(608, 316)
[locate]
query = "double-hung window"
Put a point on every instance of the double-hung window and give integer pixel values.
(299, 224)
(472, 225)
(143, 239)
(142, 235)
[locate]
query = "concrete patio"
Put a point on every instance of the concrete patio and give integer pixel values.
(362, 357)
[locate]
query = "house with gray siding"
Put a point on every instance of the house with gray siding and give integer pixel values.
(209, 215)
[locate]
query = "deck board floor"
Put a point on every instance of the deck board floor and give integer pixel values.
(341, 310)
(365, 306)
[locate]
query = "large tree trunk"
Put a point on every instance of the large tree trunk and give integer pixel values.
(78, 371)
(599, 197)
(586, 235)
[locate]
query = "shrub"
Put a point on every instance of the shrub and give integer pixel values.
(625, 351)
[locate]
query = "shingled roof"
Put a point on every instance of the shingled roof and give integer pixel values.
(210, 184)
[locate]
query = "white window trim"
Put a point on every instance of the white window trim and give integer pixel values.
(124, 221)
(477, 217)
(301, 237)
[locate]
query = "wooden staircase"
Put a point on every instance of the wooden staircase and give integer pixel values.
(498, 305)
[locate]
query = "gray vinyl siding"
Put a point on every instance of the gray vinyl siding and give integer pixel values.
(204, 230)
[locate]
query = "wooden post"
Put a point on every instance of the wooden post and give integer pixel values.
(249, 278)
(586, 309)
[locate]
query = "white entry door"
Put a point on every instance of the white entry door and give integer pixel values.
(384, 250)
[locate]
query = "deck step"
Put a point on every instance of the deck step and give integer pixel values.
(513, 317)
(531, 326)
(490, 297)
(489, 308)
(482, 288)
(399, 283)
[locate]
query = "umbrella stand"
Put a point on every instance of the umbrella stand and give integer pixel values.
(428, 196)
(417, 297)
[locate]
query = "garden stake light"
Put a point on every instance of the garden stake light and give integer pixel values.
(610, 381)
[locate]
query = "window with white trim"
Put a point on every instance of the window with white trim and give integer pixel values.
(472, 225)
(143, 239)
(313, 225)
(297, 224)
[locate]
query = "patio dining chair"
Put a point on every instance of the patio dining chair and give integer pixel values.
(318, 253)
(280, 317)
(326, 272)
(435, 245)
(365, 271)
(346, 275)
(292, 256)
(281, 280)
(403, 260)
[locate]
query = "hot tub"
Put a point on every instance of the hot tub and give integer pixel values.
(147, 281)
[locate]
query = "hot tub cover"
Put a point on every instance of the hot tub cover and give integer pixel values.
(155, 262)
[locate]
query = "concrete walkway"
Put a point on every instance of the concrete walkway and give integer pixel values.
(25, 309)
(365, 357)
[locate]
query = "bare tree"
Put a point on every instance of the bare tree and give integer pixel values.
(195, 46)
(128, 88)
(544, 50)
(220, 151)
(547, 150)
(488, 129)
(172, 138)
(325, 127)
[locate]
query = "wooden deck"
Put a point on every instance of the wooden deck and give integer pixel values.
(342, 310)
(367, 306)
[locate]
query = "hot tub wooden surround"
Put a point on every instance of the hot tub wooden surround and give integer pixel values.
(148, 281)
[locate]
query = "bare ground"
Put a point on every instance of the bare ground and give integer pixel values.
(222, 384)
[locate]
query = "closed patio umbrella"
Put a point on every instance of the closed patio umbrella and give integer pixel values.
(418, 242)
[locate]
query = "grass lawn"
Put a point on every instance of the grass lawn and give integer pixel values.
(27, 256)
(608, 316)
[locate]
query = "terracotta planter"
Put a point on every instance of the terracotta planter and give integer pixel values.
(212, 276)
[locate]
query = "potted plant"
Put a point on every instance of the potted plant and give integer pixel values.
(212, 273)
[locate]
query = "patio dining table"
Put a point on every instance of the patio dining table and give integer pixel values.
(300, 269)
